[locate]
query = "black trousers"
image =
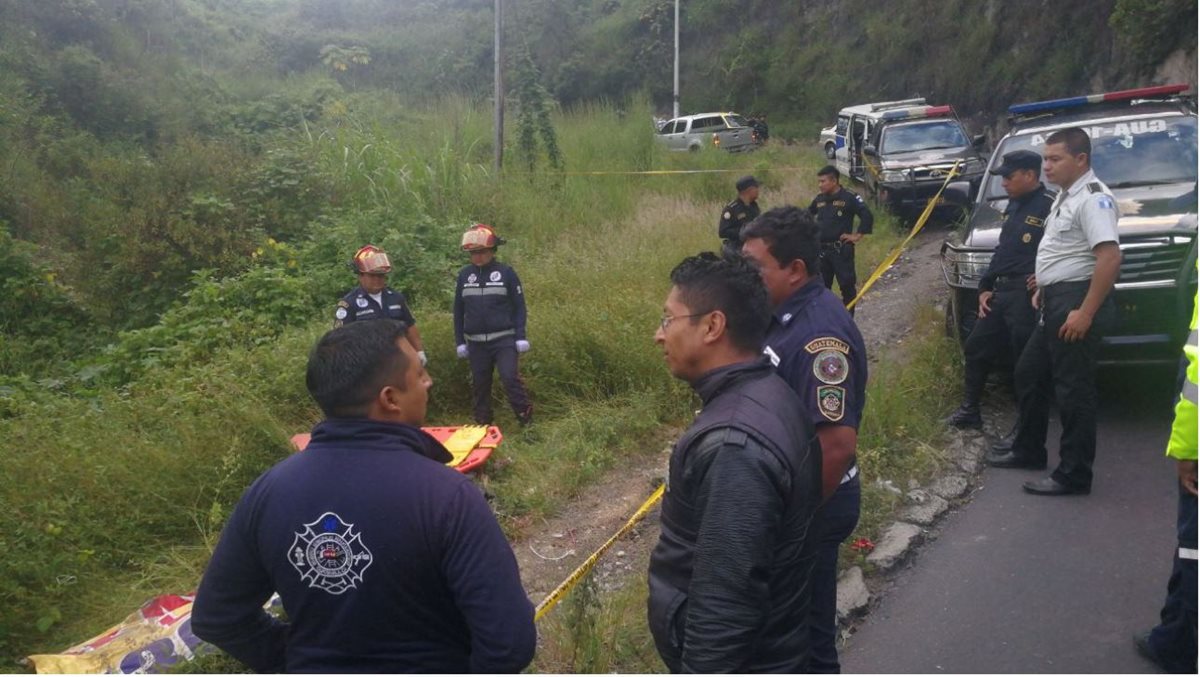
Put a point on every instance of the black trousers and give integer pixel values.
(836, 520)
(1050, 366)
(501, 355)
(838, 262)
(998, 337)
(1174, 638)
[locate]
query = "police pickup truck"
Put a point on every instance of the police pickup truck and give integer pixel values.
(728, 131)
(1144, 149)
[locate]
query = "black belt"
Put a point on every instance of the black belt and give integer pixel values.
(1009, 281)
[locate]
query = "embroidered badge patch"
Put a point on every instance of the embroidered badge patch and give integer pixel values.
(1026, 238)
(1033, 221)
(361, 302)
(1105, 202)
(472, 278)
(831, 366)
(725, 215)
(343, 304)
(495, 276)
(827, 343)
(831, 400)
(329, 554)
(340, 314)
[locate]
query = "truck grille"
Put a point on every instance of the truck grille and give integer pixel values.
(934, 172)
(1153, 258)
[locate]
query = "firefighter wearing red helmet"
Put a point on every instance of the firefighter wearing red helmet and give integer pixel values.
(489, 324)
(373, 299)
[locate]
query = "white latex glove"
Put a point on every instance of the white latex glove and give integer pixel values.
(462, 351)
(522, 346)
(421, 355)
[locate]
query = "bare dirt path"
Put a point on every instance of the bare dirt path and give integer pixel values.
(552, 550)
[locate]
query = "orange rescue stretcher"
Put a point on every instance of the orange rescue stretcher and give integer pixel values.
(470, 445)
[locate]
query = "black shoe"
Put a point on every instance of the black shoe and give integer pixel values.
(526, 417)
(1141, 641)
(1007, 459)
(966, 416)
(1006, 443)
(1048, 486)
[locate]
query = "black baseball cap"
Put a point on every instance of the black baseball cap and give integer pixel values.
(1018, 159)
(746, 182)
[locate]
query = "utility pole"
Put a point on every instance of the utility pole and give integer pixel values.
(498, 95)
(675, 108)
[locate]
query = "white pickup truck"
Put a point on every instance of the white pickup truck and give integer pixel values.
(727, 131)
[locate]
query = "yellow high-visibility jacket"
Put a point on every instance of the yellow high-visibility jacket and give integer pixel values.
(1183, 433)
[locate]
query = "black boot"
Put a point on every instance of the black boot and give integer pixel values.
(1006, 443)
(966, 416)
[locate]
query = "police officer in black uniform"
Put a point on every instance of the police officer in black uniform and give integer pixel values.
(1006, 316)
(372, 299)
(818, 350)
(741, 210)
(835, 208)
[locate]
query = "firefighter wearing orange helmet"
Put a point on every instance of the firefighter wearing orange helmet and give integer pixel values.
(489, 324)
(372, 299)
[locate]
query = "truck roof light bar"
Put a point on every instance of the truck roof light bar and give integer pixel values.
(882, 105)
(919, 112)
(1078, 101)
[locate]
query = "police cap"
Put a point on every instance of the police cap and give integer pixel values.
(746, 182)
(1018, 159)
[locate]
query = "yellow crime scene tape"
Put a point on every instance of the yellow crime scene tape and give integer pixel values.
(582, 570)
(899, 249)
(563, 588)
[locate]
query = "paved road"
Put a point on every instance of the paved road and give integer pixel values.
(1020, 583)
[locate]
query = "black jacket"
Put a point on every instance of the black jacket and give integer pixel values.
(730, 577)
(1024, 225)
(358, 305)
(835, 214)
(488, 299)
(385, 559)
(735, 215)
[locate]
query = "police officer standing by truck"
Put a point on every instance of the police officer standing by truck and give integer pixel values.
(373, 299)
(489, 324)
(741, 210)
(835, 208)
(1078, 262)
(818, 350)
(1006, 317)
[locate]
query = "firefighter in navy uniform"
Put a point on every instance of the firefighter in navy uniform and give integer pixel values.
(741, 210)
(372, 299)
(489, 324)
(835, 208)
(818, 350)
(1006, 316)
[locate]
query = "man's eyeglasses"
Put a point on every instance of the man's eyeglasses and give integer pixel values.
(666, 319)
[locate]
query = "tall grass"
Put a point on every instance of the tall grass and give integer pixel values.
(114, 494)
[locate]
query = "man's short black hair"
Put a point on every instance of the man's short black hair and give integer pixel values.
(351, 364)
(830, 170)
(790, 233)
(730, 284)
(1075, 139)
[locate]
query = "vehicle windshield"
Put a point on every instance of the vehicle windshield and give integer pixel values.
(930, 135)
(736, 121)
(1141, 152)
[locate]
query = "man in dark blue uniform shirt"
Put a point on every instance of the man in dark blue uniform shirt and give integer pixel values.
(372, 299)
(489, 324)
(819, 352)
(741, 210)
(385, 559)
(835, 208)
(1006, 316)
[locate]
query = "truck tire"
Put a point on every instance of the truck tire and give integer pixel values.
(962, 309)
(694, 148)
(830, 151)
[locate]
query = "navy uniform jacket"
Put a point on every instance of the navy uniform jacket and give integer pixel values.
(386, 561)
(488, 300)
(835, 214)
(1024, 224)
(735, 215)
(358, 305)
(817, 349)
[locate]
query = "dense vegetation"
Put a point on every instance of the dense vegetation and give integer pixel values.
(182, 182)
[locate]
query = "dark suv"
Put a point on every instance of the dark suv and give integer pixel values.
(1144, 149)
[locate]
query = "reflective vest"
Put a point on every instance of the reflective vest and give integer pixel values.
(1183, 433)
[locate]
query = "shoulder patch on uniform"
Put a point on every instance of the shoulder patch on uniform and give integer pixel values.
(1095, 187)
(340, 314)
(831, 366)
(343, 304)
(1034, 221)
(725, 215)
(1105, 202)
(858, 198)
(827, 343)
(831, 401)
